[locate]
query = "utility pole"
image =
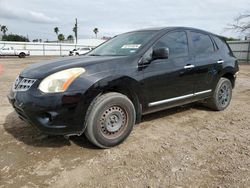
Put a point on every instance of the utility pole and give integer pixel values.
(76, 28)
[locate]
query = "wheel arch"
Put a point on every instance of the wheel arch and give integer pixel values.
(230, 76)
(124, 85)
(130, 92)
(21, 54)
(120, 84)
(229, 73)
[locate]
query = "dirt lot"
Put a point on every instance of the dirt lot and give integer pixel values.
(188, 146)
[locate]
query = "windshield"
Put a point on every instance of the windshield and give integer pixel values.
(124, 44)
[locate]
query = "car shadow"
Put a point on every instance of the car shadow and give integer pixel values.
(29, 135)
(174, 110)
(11, 57)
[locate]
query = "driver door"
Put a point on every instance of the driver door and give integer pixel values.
(170, 80)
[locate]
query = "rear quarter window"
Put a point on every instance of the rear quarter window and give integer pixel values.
(202, 43)
(222, 45)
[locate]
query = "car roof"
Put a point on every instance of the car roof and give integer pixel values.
(171, 28)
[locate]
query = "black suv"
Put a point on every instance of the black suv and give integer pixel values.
(104, 93)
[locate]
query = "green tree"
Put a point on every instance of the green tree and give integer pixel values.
(95, 30)
(56, 30)
(70, 37)
(14, 37)
(4, 29)
(61, 37)
(231, 39)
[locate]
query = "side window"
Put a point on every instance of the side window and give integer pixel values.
(176, 42)
(202, 43)
(221, 44)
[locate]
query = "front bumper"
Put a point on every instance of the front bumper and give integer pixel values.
(56, 114)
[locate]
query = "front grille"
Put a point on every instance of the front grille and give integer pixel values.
(23, 84)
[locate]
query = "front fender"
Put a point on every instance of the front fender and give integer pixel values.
(93, 85)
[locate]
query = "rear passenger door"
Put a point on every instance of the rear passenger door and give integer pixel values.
(207, 62)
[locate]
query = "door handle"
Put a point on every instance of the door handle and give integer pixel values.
(188, 66)
(220, 61)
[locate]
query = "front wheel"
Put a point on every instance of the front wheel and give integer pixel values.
(222, 95)
(110, 119)
(21, 55)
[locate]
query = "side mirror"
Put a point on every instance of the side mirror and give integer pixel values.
(160, 53)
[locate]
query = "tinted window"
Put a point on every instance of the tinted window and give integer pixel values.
(202, 43)
(221, 44)
(176, 42)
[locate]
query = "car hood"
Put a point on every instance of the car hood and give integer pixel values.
(43, 69)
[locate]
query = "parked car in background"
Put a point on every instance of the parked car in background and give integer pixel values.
(72, 52)
(80, 51)
(104, 93)
(10, 51)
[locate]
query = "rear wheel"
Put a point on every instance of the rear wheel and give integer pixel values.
(21, 55)
(222, 95)
(110, 119)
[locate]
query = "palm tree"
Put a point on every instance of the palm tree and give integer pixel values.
(61, 37)
(56, 30)
(4, 29)
(95, 31)
(70, 37)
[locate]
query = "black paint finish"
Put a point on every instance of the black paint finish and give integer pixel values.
(142, 79)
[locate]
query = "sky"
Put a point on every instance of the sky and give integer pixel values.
(37, 18)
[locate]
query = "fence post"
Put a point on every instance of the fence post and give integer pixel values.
(60, 49)
(248, 52)
(43, 50)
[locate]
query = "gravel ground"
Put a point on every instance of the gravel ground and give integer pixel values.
(188, 146)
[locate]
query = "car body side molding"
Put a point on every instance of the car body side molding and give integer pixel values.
(178, 98)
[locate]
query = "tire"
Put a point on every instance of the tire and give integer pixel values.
(222, 95)
(110, 119)
(21, 55)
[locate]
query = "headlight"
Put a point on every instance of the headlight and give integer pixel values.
(60, 81)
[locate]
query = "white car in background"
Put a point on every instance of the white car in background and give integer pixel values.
(80, 51)
(10, 51)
